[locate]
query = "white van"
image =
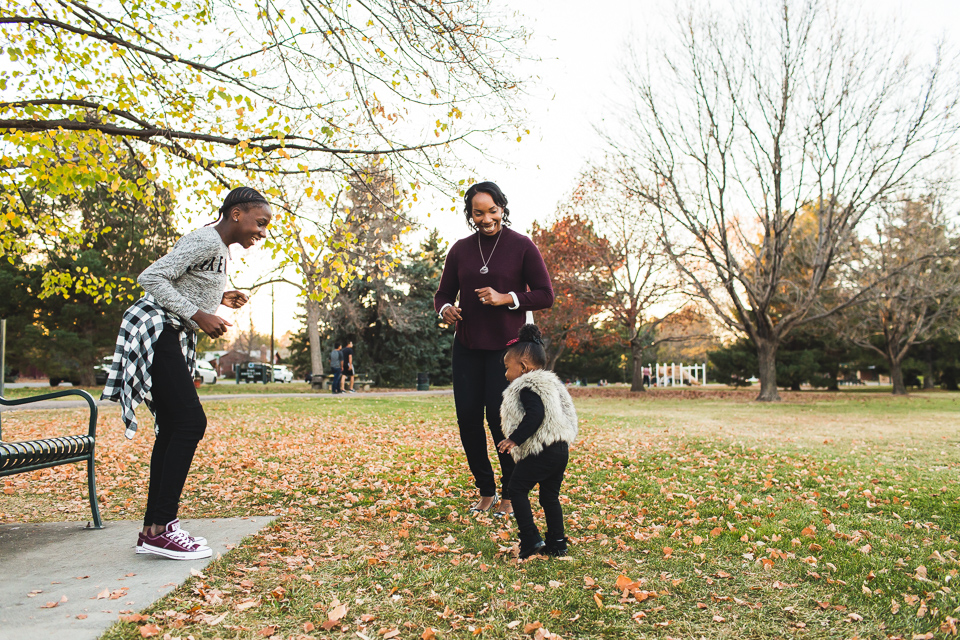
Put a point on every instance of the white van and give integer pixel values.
(206, 372)
(281, 373)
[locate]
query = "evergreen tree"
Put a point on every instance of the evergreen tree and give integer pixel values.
(66, 335)
(391, 320)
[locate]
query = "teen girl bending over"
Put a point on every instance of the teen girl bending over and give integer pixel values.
(156, 354)
(539, 422)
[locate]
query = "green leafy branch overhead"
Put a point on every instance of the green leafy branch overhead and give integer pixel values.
(205, 94)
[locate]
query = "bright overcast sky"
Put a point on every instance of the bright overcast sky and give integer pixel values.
(579, 54)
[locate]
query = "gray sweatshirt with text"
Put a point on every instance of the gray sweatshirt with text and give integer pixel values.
(192, 277)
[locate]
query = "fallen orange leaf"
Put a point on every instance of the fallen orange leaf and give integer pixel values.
(133, 617)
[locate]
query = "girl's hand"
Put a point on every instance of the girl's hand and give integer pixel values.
(506, 445)
(234, 299)
(213, 326)
(492, 297)
(451, 314)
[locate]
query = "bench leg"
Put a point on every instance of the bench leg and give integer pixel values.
(92, 490)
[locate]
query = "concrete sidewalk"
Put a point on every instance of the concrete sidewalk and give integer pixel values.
(77, 404)
(92, 575)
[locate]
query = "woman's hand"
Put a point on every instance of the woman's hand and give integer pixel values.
(451, 315)
(234, 299)
(213, 326)
(490, 296)
(506, 445)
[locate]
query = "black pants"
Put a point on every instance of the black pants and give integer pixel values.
(181, 423)
(545, 469)
(337, 373)
(478, 384)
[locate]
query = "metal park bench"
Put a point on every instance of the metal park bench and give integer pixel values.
(31, 455)
(358, 381)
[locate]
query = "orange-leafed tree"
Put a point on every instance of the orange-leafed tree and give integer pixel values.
(687, 336)
(639, 281)
(578, 261)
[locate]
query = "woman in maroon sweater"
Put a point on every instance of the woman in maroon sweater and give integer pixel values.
(498, 275)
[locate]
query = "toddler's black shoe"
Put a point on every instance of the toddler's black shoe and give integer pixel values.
(556, 548)
(526, 552)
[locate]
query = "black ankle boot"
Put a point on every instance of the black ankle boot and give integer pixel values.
(556, 548)
(526, 552)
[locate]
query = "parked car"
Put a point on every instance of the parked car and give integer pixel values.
(281, 373)
(101, 370)
(206, 372)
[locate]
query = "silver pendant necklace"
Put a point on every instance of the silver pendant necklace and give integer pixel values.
(484, 269)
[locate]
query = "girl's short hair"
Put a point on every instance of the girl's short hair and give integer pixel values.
(529, 345)
(494, 191)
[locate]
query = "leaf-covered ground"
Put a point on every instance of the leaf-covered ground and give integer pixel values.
(222, 387)
(692, 515)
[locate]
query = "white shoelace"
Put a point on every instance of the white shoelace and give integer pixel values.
(182, 538)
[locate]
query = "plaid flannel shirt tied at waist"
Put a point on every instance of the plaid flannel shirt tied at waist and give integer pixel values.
(129, 381)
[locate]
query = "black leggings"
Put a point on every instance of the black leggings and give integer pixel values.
(546, 469)
(478, 385)
(181, 424)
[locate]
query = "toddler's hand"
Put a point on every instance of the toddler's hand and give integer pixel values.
(506, 445)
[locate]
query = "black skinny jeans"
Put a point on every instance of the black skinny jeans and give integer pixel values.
(181, 423)
(478, 384)
(545, 469)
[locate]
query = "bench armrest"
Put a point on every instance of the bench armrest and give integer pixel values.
(91, 431)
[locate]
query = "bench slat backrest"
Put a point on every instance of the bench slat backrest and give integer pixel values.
(91, 429)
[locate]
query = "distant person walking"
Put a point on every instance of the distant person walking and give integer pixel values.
(336, 368)
(347, 368)
(490, 280)
(154, 361)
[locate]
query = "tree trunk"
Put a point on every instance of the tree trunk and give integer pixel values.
(313, 334)
(553, 357)
(896, 377)
(87, 376)
(636, 381)
(767, 358)
(834, 375)
(928, 367)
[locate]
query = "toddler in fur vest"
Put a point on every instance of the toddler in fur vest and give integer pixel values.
(540, 423)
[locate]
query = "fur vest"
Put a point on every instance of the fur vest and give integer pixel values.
(559, 416)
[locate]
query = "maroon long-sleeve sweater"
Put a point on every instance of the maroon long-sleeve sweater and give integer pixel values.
(516, 265)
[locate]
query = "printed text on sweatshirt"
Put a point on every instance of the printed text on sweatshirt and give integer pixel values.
(192, 277)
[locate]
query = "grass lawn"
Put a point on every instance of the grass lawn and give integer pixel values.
(692, 515)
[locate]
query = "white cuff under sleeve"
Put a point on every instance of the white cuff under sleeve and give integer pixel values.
(516, 302)
(444, 307)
